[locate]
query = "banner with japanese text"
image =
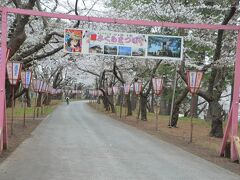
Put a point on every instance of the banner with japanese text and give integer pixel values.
(123, 44)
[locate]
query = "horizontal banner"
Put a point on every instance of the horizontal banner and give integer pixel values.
(123, 44)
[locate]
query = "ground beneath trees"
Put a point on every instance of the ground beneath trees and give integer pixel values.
(20, 133)
(203, 146)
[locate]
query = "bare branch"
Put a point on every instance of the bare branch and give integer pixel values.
(39, 46)
(26, 61)
(45, 23)
(76, 12)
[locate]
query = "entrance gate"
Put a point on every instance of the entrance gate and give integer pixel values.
(232, 126)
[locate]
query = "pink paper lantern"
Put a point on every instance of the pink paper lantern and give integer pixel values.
(36, 85)
(100, 93)
(126, 88)
(14, 72)
(115, 90)
(137, 86)
(26, 77)
(157, 85)
(194, 79)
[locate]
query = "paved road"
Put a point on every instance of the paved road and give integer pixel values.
(77, 143)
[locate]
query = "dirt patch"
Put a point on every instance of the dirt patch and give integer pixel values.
(202, 145)
(20, 133)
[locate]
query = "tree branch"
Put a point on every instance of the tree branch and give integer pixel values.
(45, 23)
(26, 61)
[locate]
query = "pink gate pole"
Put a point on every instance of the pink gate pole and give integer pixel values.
(232, 126)
(3, 120)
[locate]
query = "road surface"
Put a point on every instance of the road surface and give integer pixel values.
(77, 143)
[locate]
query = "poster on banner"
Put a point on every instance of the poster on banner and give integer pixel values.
(73, 40)
(13, 71)
(123, 44)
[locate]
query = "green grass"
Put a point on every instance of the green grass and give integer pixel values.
(152, 116)
(19, 109)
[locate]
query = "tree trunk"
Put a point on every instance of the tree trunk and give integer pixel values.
(129, 105)
(110, 100)
(176, 105)
(216, 116)
(195, 108)
(39, 99)
(143, 108)
(175, 116)
(164, 107)
(8, 94)
(28, 99)
(46, 99)
(151, 103)
(134, 101)
(118, 103)
(108, 103)
(208, 115)
(105, 103)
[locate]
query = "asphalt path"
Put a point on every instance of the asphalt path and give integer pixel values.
(76, 143)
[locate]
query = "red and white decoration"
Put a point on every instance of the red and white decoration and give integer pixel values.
(26, 77)
(41, 86)
(157, 85)
(53, 91)
(100, 93)
(44, 87)
(37, 85)
(194, 79)
(126, 88)
(34, 85)
(137, 87)
(58, 91)
(14, 71)
(115, 90)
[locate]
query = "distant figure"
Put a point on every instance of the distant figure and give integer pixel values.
(67, 100)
